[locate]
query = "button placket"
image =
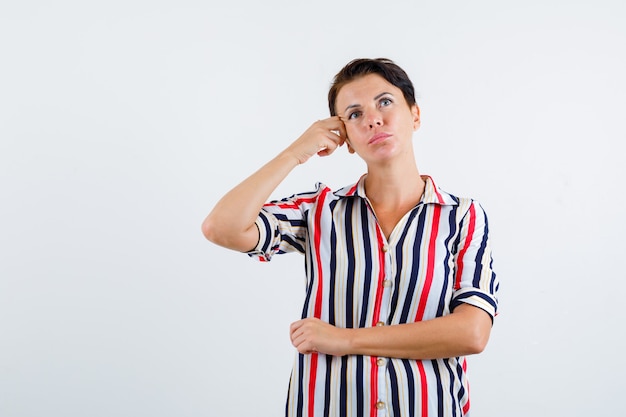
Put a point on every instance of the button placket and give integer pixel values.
(381, 363)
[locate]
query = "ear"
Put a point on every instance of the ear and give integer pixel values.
(415, 110)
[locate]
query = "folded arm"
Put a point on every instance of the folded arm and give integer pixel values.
(464, 332)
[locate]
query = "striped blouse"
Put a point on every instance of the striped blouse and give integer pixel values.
(437, 257)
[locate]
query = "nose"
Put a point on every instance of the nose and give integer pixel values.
(374, 119)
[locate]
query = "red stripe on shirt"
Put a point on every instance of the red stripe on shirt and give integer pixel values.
(317, 313)
(292, 205)
(437, 193)
(439, 197)
(468, 240)
(376, 319)
(374, 386)
(466, 407)
(423, 389)
(430, 269)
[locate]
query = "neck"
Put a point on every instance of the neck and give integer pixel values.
(394, 185)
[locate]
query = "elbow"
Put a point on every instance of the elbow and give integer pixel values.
(476, 340)
(474, 329)
(476, 346)
(209, 230)
(221, 233)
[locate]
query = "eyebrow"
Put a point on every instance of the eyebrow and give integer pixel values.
(352, 106)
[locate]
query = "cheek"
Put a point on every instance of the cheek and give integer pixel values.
(353, 130)
(354, 139)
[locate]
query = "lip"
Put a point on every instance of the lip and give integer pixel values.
(377, 138)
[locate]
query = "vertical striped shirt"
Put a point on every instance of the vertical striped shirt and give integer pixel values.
(437, 257)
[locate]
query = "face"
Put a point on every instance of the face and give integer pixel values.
(378, 120)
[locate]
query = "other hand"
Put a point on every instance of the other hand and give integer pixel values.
(314, 335)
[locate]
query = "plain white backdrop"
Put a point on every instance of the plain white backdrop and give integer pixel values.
(123, 122)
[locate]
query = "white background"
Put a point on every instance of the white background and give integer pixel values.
(123, 122)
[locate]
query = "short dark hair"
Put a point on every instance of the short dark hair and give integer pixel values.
(360, 67)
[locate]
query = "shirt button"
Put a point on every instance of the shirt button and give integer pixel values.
(387, 283)
(380, 323)
(380, 405)
(380, 361)
(385, 248)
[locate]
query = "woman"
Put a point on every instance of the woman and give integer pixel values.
(399, 281)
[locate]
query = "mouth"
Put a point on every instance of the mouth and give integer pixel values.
(377, 138)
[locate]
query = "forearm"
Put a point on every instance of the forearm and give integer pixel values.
(464, 332)
(231, 222)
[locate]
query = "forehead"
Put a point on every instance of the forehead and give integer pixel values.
(363, 89)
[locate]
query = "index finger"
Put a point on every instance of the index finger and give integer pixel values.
(341, 128)
(295, 326)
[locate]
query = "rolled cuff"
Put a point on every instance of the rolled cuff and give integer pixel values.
(477, 298)
(268, 227)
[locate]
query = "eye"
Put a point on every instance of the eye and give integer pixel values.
(354, 115)
(384, 102)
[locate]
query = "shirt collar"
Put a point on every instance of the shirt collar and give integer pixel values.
(432, 193)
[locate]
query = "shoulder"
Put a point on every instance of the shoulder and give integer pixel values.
(462, 205)
(300, 201)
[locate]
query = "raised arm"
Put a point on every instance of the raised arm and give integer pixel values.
(231, 222)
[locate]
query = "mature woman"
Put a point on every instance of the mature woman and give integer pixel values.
(400, 287)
